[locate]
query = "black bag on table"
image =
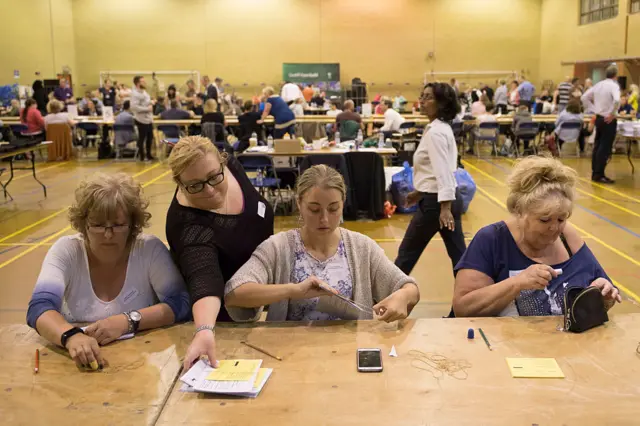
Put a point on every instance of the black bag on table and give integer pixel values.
(583, 309)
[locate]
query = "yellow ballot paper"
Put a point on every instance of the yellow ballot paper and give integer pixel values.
(257, 385)
(535, 368)
(240, 370)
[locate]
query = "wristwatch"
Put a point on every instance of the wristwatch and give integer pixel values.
(134, 318)
(67, 334)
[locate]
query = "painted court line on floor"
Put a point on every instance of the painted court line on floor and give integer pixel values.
(40, 170)
(613, 191)
(67, 228)
(51, 216)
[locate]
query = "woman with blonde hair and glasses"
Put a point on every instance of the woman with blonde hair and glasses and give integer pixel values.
(320, 271)
(523, 265)
(214, 223)
(109, 274)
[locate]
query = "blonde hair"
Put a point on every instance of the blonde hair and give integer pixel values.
(210, 106)
(188, 150)
(536, 181)
(100, 196)
(320, 176)
(268, 91)
(54, 106)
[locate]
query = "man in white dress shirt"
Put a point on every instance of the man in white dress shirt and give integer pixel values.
(291, 93)
(603, 99)
(392, 119)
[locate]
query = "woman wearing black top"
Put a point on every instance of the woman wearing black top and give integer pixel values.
(212, 115)
(108, 93)
(40, 96)
(215, 222)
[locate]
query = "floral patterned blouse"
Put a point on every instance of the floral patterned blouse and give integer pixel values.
(333, 271)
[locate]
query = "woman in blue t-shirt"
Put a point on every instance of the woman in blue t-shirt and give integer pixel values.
(523, 265)
(283, 117)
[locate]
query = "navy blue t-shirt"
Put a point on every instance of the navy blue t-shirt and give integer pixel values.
(494, 252)
(280, 110)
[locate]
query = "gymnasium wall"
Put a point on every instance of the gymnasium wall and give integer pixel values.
(37, 36)
(246, 41)
(564, 39)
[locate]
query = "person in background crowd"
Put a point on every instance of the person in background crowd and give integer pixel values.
(247, 125)
(571, 114)
(514, 96)
(123, 93)
(527, 91)
(14, 109)
(297, 107)
(307, 93)
(392, 119)
(83, 105)
(295, 271)
(334, 111)
(215, 222)
(197, 110)
(212, 114)
(456, 87)
(283, 117)
(633, 97)
(502, 97)
(290, 93)
(625, 108)
(348, 114)
(123, 137)
(484, 115)
(604, 100)
(435, 162)
(588, 84)
(108, 93)
(319, 99)
(55, 114)
(40, 96)
(175, 112)
(509, 269)
(109, 274)
(190, 94)
(172, 95)
(31, 116)
(143, 114)
(562, 94)
(576, 90)
(479, 107)
(63, 92)
(543, 103)
(488, 90)
(159, 106)
(522, 115)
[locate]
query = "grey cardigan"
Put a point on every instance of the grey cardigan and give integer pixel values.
(374, 276)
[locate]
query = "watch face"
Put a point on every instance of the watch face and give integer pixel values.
(135, 315)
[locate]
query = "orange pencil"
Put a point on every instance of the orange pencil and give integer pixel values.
(37, 367)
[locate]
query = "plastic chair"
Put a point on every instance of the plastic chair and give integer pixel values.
(577, 127)
(270, 181)
(527, 131)
(124, 132)
(487, 132)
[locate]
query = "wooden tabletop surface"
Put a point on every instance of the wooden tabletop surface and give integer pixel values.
(317, 382)
(24, 150)
(302, 153)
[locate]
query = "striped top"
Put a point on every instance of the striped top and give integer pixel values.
(564, 93)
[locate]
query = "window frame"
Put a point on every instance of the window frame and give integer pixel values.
(592, 11)
(633, 3)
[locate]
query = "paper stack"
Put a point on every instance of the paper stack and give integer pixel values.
(239, 377)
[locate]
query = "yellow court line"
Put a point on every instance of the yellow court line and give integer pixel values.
(606, 188)
(63, 230)
(51, 216)
(40, 170)
(589, 235)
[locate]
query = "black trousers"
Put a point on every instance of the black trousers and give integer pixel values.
(145, 139)
(424, 226)
(605, 136)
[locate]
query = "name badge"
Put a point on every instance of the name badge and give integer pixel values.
(132, 294)
(262, 209)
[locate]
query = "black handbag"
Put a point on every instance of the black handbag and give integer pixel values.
(583, 309)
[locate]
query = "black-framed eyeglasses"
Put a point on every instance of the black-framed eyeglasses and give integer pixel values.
(115, 229)
(217, 179)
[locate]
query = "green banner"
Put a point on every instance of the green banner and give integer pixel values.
(310, 73)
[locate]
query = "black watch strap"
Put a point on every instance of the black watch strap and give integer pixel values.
(67, 334)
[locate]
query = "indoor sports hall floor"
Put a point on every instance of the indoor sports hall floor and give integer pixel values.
(607, 217)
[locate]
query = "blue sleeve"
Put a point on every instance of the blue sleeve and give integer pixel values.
(481, 253)
(598, 270)
(166, 280)
(50, 286)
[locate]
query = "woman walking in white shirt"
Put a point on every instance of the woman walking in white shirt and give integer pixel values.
(434, 164)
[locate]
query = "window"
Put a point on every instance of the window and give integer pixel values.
(634, 6)
(599, 10)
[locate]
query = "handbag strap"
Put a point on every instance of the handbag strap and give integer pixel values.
(566, 244)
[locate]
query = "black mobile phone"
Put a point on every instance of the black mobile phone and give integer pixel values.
(369, 360)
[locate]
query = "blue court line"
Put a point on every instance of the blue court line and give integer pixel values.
(617, 225)
(39, 189)
(29, 240)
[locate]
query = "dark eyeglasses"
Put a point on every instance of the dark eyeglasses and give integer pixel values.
(194, 188)
(115, 229)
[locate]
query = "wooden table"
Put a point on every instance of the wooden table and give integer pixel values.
(336, 151)
(11, 155)
(131, 391)
(317, 382)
